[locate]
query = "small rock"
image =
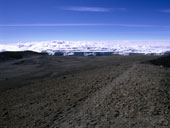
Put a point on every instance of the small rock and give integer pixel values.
(5, 113)
(116, 114)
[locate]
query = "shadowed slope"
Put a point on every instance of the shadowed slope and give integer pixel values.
(5, 56)
(162, 61)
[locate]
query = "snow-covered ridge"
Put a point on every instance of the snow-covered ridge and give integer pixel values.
(69, 47)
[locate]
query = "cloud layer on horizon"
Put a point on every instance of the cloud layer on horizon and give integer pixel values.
(120, 47)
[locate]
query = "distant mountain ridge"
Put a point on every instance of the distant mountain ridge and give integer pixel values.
(13, 55)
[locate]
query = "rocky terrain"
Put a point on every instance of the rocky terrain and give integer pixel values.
(85, 92)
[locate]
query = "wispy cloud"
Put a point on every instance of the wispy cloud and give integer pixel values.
(165, 10)
(73, 25)
(91, 9)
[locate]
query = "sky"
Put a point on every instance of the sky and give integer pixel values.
(76, 20)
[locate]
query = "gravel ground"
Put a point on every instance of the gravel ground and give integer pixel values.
(106, 92)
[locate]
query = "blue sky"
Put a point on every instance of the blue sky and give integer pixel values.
(40, 20)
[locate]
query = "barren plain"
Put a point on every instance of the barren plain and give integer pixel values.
(85, 92)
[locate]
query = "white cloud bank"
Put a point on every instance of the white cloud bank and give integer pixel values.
(119, 47)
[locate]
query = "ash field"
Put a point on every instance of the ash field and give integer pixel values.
(38, 90)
